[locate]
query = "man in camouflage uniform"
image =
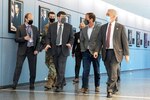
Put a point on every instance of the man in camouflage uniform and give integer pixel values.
(49, 59)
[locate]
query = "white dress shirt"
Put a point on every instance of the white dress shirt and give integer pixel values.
(111, 34)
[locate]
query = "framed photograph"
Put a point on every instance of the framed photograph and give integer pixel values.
(141, 42)
(130, 37)
(138, 40)
(133, 41)
(43, 19)
(81, 19)
(15, 15)
(145, 40)
(68, 18)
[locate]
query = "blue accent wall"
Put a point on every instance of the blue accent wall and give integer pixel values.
(139, 56)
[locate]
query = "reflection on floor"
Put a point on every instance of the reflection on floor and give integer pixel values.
(134, 85)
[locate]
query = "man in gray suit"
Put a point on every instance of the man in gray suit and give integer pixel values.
(113, 41)
(59, 42)
(88, 44)
(27, 37)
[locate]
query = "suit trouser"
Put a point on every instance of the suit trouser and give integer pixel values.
(32, 65)
(87, 59)
(112, 66)
(78, 58)
(60, 65)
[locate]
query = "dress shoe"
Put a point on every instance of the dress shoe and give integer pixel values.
(14, 86)
(31, 86)
(84, 90)
(76, 80)
(109, 95)
(97, 89)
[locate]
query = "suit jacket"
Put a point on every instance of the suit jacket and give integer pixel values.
(67, 37)
(22, 43)
(120, 42)
(92, 42)
(76, 44)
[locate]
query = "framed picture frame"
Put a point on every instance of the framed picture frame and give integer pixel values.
(130, 37)
(81, 19)
(133, 41)
(138, 40)
(68, 18)
(15, 15)
(43, 19)
(145, 40)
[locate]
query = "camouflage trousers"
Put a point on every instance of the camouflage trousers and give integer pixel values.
(52, 71)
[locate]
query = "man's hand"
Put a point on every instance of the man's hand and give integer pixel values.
(127, 58)
(69, 45)
(36, 52)
(47, 47)
(27, 37)
(95, 55)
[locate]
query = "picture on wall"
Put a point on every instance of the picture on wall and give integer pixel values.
(130, 37)
(138, 40)
(68, 18)
(15, 16)
(43, 19)
(145, 40)
(81, 19)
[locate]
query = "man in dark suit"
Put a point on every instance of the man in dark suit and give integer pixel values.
(76, 52)
(59, 42)
(113, 41)
(44, 20)
(27, 37)
(17, 16)
(88, 44)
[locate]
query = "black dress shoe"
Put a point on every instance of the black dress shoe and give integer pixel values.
(109, 95)
(31, 87)
(14, 86)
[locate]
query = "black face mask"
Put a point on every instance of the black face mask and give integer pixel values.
(30, 22)
(52, 20)
(86, 22)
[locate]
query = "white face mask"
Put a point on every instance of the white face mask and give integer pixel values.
(108, 19)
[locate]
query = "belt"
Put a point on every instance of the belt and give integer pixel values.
(59, 45)
(109, 49)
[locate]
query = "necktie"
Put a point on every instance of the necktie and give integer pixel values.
(29, 32)
(108, 36)
(59, 35)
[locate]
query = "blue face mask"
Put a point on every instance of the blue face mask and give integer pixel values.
(108, 19)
